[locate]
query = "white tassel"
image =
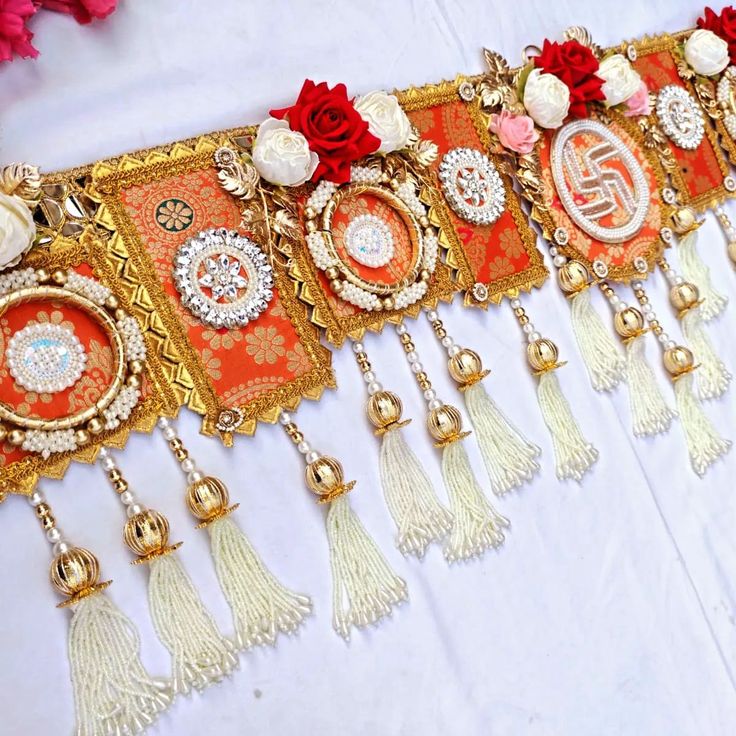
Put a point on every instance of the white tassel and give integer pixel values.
(712, 375)
(262, 607)
(113, 693)
(478, 526)
(419, 516)
(200, 654)
(704, 443)
(364, 587)
(696, 271)
(649, 411)
(598, 348)
(508, 455)
(574, 455)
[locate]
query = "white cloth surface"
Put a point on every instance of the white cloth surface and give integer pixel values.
(610, 609)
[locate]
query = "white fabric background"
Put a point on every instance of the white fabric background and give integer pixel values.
(609, 611)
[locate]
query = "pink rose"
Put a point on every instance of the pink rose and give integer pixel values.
(516, 132)
(638, 103)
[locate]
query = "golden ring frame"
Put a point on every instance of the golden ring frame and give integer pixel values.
(670, 43)
(21, 476)
(407, 216)
(47, 293)
(109, 178)
(536, 273)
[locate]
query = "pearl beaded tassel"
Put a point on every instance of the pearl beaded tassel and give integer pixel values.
(704, 443)
(261, 606)
(509, 457)
(695, 270)
(650, 413)
(364, 587)
(200, 654)
(113, 693)
(600, 353)
(477, 526)
(419, 516)
(574, 455)
(713, 377)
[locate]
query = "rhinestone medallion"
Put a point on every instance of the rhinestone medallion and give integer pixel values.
(224, 279)
(369, 241)
(46, 358)
(472, 185)
(680, 117)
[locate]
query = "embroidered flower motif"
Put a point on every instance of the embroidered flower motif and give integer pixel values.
(265, 345)
(500, 266)
(510, 242)
(211, 364)
(297, 360)
(15, 38)
(174, 215)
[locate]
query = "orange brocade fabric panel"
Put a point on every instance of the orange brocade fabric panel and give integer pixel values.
(700, 168)
(241, 363)
(494, 251)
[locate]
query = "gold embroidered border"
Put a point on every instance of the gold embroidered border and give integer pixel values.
(109, 178)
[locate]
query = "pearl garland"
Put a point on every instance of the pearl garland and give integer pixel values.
(723, 97)
(321, 195)
(89, 287)
(46, 443)
(20, 279)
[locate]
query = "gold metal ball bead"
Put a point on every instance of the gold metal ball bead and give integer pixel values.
(146, 532)
(16, 437)
(332, 273)
(388, 303)
(74, 571)
(684, 221)
(732, 251)
(542, 354)
(444, 422)
(3, 433)
(82, 436)
(112, 302)
(678, 360)
(133, 381)
(425, 275)
(573, 277)
(324, 475)
(207, 498)
(684, 296)
(59, 277)
(95, 425)
(136, 367)
(42, 275)
(384, 409)
(465, 367)
(629, 322)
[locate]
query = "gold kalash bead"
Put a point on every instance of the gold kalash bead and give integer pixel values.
(684, 221)
(384, 409)
(445, 424)
(573, 277)
(466, 367)
(629, 323)
(684, 296)
(208, 499)
(76, 573)
(732, 251)
(326, 478)
(678, 361)
(147, 534)
(542, 355)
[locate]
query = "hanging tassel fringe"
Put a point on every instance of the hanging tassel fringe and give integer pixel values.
(262, 607)
(649, 411)
(508, 455)
(113, 693)
(703, 442)
(364, 587)
(200, 654)
(574, 455)
(478, 526)
(599, 350)
(695, 270)
(419, 516)
(712, 376)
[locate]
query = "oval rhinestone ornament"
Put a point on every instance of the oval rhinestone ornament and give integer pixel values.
(591, 189)
(46, 358)
(680, 117)
(472, 186)
(224, 278)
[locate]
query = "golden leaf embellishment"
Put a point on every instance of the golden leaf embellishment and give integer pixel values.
(285, 224)
(684, 70)
(583, 36)
(498, 67)
(236, 176)
(22, 180)
(426, 153)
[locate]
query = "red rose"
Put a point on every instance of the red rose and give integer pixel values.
(723, 25)
(334, 129)
(82, 10)
(15, 38)
(576, 66)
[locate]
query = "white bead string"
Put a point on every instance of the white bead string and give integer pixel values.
(127, 497)
(54, 536)
(412, 357)
(529, 330)
(373, 386)
(188, 465)
(665, 341)
(310, 455)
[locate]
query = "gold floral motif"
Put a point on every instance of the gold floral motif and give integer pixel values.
(265, 344)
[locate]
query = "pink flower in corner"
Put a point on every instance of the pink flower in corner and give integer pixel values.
(638, 103)
(516, 132)
(15, 38)
(84, 11)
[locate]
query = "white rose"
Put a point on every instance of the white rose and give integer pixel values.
(621, 80)
(706, 53)
(386, 120)
(281, 155)
(546, 99)
(17, 229)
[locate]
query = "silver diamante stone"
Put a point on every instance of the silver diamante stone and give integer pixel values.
(680, 117)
